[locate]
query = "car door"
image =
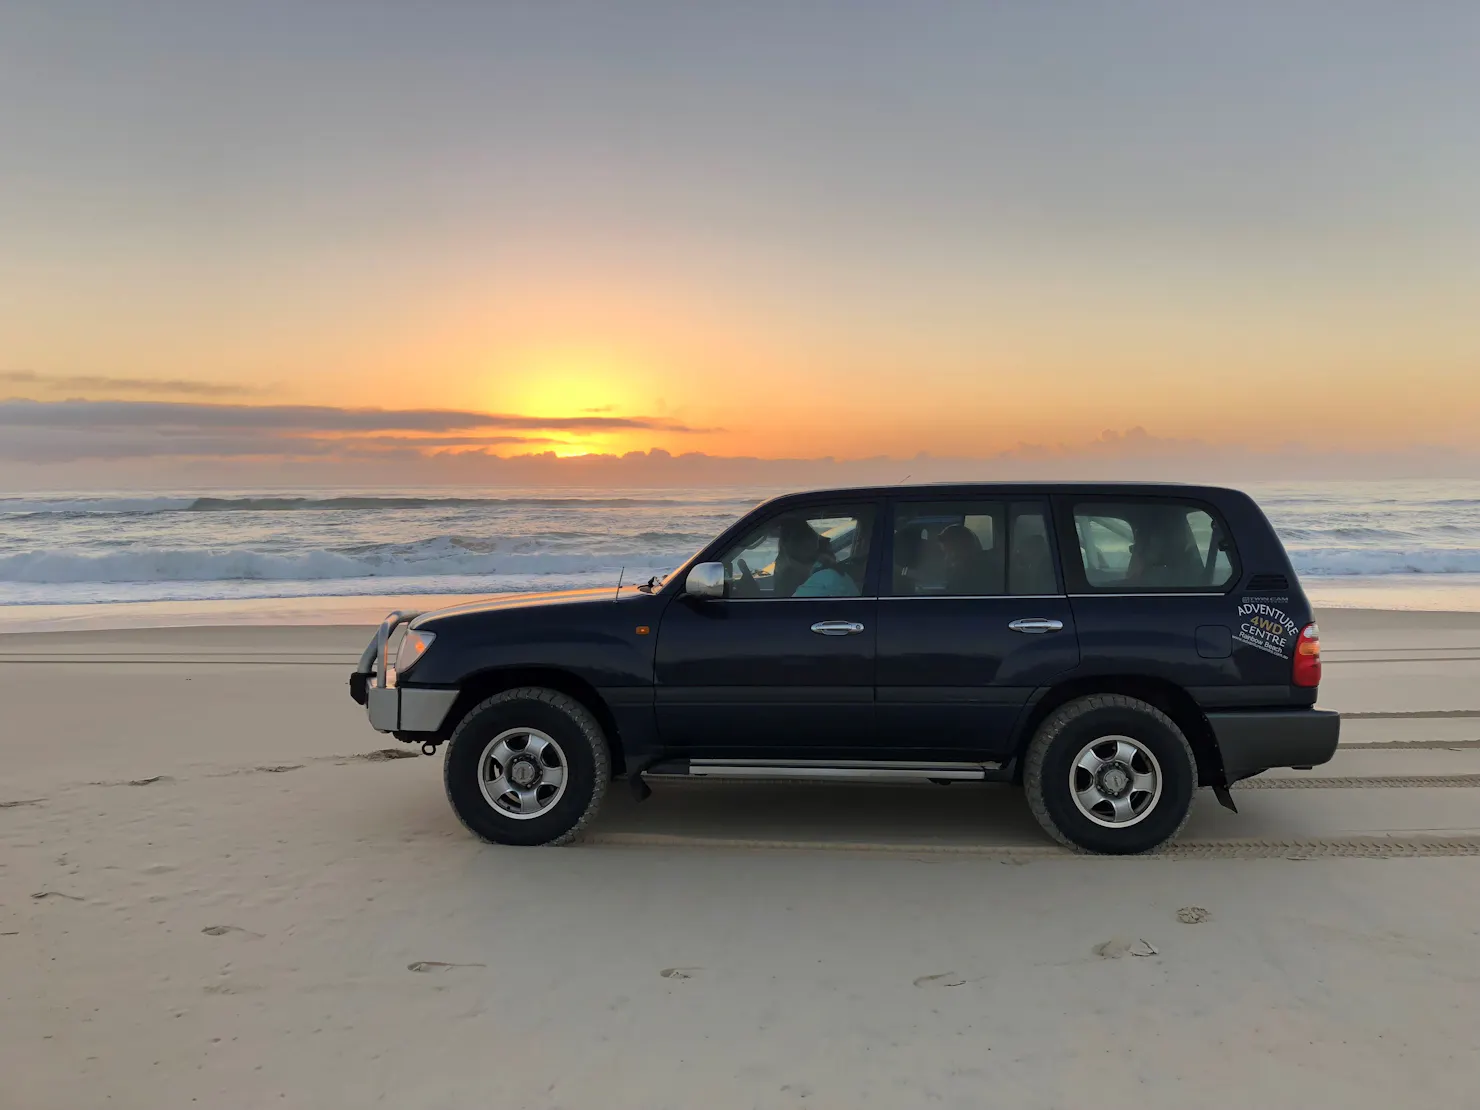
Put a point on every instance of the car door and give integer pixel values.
(1151, 578)
(972, 619)
(782, 666)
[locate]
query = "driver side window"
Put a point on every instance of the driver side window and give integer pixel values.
(813, 552)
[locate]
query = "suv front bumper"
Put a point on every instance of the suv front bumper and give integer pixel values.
(407, 708)
(1256, 740)
(393, 708)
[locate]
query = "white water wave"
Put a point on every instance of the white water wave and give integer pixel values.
(1344, 561)
(56, 567)
(189, 545)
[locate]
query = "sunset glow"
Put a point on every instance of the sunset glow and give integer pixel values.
(735, 258)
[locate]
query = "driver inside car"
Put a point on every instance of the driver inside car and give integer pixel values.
(804, 566)
(828, 578)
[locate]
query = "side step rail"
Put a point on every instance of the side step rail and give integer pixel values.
(858, 770)
(896, 770)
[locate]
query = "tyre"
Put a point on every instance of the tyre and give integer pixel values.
(527, 766)
(1109, 773)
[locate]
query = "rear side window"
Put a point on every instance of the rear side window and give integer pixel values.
(1151, 545)
(971, 549)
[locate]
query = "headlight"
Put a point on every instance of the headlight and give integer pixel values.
(413, 646)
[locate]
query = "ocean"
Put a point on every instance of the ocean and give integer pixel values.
(1388, 544)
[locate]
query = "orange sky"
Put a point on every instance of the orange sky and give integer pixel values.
(879, 237)
(885, 372)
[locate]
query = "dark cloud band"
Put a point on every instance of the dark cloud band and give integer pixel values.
(66, 431)
(87, 415)
(95, 383)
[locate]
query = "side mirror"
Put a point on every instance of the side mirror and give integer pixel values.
(705, 580)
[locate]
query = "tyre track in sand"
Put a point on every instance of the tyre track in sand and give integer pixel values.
(1352, 847)
(1357, 782)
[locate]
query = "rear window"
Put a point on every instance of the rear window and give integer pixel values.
(1152, 545)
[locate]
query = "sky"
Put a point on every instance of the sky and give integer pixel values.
(485, 242)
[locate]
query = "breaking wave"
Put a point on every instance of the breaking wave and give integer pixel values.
(1341, 562)
(188, 545)
(431, 559)
(464, 558)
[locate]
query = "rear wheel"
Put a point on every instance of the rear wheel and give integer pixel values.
(1110, 773)
(527, 766)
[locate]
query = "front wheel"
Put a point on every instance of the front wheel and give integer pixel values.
(527, 766)
(1110, 773)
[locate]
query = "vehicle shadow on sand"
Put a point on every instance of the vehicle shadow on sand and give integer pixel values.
(961, 814)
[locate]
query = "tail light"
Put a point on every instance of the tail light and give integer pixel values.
(1307, 667)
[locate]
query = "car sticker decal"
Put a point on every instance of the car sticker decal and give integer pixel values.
(1264, 624)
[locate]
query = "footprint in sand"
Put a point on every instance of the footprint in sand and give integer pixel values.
(222, 930)
(40, 894)
(22, 802)
(943, 979)
(1192, 915)
(230, 988)
(437, 965)
(679, 972)
(150, 781)
(947, 979)
(1114, 949)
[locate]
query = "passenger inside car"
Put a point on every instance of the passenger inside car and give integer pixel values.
(970, 569)
(1163, 553)
(919, 562)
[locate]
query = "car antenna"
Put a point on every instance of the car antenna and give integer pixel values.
(620, 573)
(903, 480)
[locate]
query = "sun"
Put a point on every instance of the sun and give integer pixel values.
(568, 384)
(561, 383)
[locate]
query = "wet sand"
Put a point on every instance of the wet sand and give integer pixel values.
(214, 892)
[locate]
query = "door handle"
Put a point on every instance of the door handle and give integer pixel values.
(1036, 624)
(837, 628)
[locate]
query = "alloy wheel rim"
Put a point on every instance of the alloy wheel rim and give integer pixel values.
(522, 773)
(1115, 781)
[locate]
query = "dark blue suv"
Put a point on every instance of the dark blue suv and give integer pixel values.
(1110, 647)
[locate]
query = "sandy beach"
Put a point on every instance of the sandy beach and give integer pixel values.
(216, 890)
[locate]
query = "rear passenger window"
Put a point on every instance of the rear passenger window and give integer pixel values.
(1152, 545)
(971, 549)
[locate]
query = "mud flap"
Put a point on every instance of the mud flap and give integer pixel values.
(641, 791)
(1225, 798)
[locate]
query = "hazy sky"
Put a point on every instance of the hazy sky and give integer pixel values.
(775, 229)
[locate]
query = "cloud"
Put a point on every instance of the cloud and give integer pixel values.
(46, 445)
(98, 383)
(117, 460)
(90, 415)
(97, 443)
(451, 441)
(73, 431)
